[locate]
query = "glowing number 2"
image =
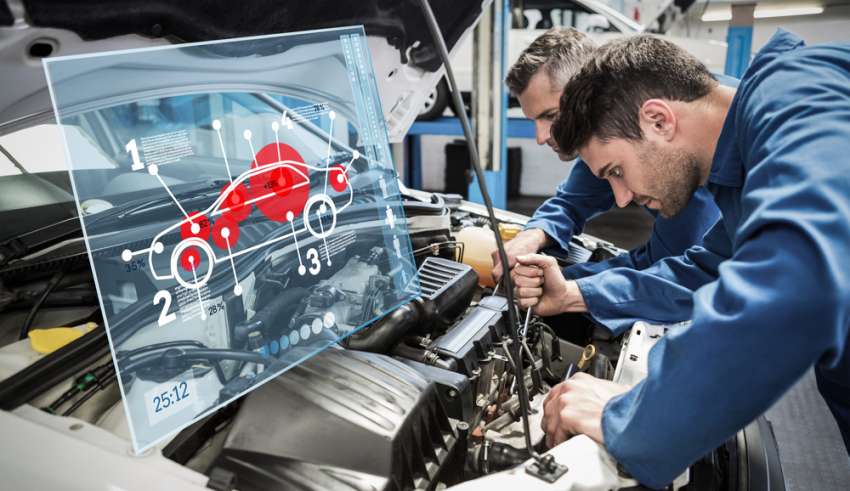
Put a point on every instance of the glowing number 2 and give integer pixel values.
(134, 153)
(313, 256)
(164, 316)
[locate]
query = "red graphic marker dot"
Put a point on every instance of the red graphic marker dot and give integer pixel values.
(225, 229)
(281, 181)
(189, 257)
(234, 205)
(338, 178)
(197, 226)
(283, 187)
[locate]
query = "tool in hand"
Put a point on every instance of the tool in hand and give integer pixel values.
(525, 324)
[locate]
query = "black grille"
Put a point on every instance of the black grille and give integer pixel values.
(438, 274)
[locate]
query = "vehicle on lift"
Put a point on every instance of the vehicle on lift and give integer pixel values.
(592, 17)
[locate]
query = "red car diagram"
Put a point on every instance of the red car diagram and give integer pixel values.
(278, 184)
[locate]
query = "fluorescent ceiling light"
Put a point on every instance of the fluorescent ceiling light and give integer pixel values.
(765, 12)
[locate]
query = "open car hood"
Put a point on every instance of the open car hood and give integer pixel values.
(406, 61)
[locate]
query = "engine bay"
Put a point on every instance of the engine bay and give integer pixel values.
(422, 396)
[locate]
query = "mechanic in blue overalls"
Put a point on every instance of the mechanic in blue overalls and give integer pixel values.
(537, 80)
(769, 290)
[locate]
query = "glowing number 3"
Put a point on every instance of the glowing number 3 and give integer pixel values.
(313, 256)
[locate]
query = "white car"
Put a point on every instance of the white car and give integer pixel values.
(601, 22)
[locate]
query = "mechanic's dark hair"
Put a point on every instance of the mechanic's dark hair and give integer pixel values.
(561, 52)
(604, 98)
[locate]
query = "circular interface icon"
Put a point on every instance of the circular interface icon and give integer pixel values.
(235, 204)
(197, 225)
(320, 216)
(191, 253)
(225, 233)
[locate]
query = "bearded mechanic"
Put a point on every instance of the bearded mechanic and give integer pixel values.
(768, 292)
(537, 80)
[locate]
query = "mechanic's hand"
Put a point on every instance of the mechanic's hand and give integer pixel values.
(575, 407)
(526, 242)
(539, 283)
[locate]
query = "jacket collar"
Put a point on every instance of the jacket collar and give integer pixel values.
(726, 170)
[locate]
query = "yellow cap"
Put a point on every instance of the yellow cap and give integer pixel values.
(509, 230)
(49, 340)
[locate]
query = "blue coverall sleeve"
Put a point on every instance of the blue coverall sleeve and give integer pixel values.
(663, 292)
(780, 303)
(673, 236)
(634, 259)
(578, 198)
(670, 237)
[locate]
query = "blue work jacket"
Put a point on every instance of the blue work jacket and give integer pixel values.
(769, 290)
(582, 195)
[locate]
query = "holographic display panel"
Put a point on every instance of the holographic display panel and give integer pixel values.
(240, 208)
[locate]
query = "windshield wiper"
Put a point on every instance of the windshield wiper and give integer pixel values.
(36, 240)
(142, 204)
(30, 242)
(23, 169)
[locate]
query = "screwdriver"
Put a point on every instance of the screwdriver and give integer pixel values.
(527, 316)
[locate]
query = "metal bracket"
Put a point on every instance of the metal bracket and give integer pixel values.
(546, 469)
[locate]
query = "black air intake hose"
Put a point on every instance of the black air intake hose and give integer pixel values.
(424, 356)
(446, 289)
(381, 336)
(494, 457)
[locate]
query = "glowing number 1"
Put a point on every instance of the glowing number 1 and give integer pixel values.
(134, 152)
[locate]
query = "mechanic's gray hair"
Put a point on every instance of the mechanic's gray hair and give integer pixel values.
(561, 52)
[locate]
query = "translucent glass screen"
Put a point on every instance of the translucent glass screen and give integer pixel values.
(240, 208)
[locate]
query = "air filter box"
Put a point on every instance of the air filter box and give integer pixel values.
(342, 419)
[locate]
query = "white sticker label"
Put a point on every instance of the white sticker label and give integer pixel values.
(249, 295)
(215, 327)
(192, 303)
(170, 398)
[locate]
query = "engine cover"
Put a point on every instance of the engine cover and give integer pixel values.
(344, 419)
(470, 341)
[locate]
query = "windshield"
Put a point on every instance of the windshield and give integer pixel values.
(34, 174)
(179, 129)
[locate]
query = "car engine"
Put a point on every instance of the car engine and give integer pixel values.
(423, 397)
(408, 402)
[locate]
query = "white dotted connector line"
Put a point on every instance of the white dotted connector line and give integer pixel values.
(290, 217)
(225, 234)
(247, 136)
(216, 124)
(154, 171)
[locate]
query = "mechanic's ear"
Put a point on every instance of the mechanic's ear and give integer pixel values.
(658, 119)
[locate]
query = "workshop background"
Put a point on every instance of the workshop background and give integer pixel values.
(810, 445)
